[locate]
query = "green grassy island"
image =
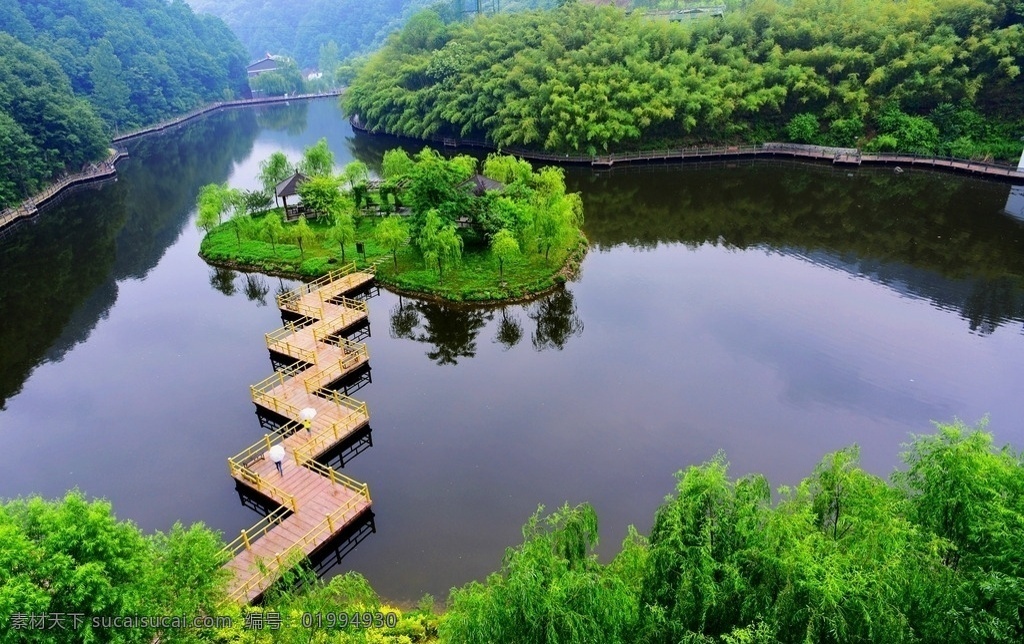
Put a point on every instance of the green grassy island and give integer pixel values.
(454, 229)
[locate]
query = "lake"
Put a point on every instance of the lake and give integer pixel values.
(775, 311)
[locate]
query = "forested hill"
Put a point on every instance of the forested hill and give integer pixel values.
(299, 28)
(73, 72)
(928, 76)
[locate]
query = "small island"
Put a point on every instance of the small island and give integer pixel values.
(451, 228)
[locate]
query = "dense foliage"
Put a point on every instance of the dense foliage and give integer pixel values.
(44, 128)
(73, 556)
(451, 215)
(925, 75)
(936, 555)
(319, 30)
(135, 63)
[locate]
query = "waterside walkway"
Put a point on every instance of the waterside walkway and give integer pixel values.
(106, 169)
(837, 156)
(316, 501)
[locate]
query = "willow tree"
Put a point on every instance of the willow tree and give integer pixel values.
(391, 233)
(504, 247)
(272, 229)
(317, 160)
(549, 589)
(343, 231)
(440, 243)
(320, 194)
(302, 234)
(273, 170)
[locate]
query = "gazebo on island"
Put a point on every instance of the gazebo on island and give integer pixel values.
(479, 184)
(290, 188)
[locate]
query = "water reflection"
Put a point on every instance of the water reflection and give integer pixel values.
(927, 235)
(223, 280)
(290, 118)
(451, 331)
(94, 239)
(556, 320)
(510, 330)
(256, 289)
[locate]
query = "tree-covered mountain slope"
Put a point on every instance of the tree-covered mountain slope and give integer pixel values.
(299, 28)
(74, 72)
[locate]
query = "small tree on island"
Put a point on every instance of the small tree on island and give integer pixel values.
(391, 233)
(439, 243)
(317, 160)
(302, 234)
(504, 247)
(343, 231)
(321, 195)
(356, 173)
(272, 229)
(273, 171)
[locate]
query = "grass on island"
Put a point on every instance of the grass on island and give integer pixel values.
(475, 279)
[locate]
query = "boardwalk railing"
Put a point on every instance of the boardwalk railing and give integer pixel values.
(277, 341)
(212, 107)
(92, 172)
(308, 287)
(262, 578)
(337, 478)
(836, 155)
(262, 527)
(261, 484)
(321, 441)
(355, 353)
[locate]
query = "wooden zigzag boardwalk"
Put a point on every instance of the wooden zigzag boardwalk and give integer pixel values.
(316, 501)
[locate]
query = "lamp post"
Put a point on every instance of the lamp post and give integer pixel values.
(307, 415)
(277, 455)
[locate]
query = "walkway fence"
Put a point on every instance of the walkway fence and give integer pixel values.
(92, 172)
(106, 170)
(838, 156)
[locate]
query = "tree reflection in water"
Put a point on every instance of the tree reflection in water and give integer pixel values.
(451, 331)
(223, 280)
(510, 330)
(256, 289)
(556, 320)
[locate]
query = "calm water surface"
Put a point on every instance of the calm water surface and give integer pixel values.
(772, 311)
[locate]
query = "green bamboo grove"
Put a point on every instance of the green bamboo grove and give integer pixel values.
(927, 76)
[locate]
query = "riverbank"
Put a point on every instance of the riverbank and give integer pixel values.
(102, 171)
(107, 169)
(837, 156)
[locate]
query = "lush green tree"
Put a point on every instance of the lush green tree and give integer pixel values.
(254, 201)
(586, 79)
(549, 589)
(343, 231)
(317, 160)
(110, 91)
(439, 243)
(73, 556)
(391, 233)
(396, 164)
(272, 229)
(504, 247)
(273, 170)
(321, 194)
(44, 129)
(356, 173)
(302, 234)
